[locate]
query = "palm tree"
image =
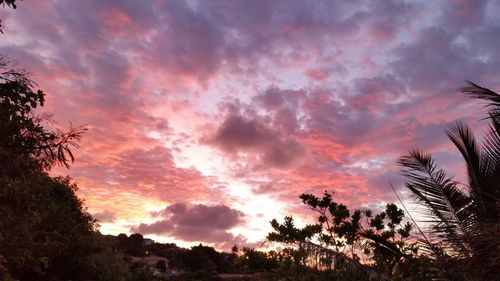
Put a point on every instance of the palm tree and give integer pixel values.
(464, 218)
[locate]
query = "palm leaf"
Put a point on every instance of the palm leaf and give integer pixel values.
(488, 192)
(491, 158)
(446, 204)
(479, 92)
(465, 142)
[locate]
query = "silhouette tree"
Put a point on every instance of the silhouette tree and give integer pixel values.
(24, 141)
(465, 218)
(235, 250)
(45, 231)
(340, 235)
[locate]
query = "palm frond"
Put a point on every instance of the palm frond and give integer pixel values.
(489, 191)
(444, 201)
(491, 143)
(465, 142)
(491, 160)
(479, 92)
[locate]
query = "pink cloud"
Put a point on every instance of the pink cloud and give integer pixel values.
(317, 74)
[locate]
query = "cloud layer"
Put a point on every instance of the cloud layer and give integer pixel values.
(240, 106)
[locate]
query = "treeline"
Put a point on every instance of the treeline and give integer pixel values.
(179, 262)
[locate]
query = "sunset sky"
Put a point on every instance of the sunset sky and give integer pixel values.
(207, 119)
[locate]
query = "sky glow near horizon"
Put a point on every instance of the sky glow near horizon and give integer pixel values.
(207, 119)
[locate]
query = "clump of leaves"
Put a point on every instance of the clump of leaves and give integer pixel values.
(24, 140)
(384, 237)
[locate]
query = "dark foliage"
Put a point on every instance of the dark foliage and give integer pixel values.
(335, 242)
(24, 141)
(464, 217)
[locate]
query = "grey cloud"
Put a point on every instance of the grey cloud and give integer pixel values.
(205, 223)
(240, 134)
